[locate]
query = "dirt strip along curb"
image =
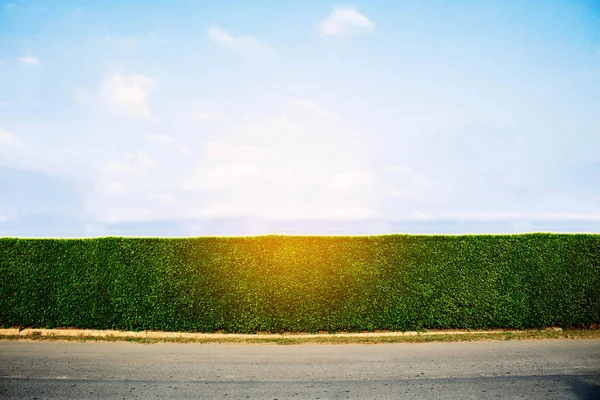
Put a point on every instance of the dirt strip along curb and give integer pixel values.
(29, 332)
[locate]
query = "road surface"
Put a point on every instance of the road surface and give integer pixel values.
(546, 369)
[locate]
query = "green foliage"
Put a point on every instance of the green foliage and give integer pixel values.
(279, 283)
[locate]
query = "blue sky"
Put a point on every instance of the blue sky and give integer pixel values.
(176, 118)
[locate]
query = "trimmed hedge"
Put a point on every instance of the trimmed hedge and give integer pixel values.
(293, 283)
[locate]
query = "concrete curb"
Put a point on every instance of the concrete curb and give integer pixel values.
(34, 332)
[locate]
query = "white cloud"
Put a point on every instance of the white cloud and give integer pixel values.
(354, 213)
(344, 21)
(136, 163)
(216, 149)
(236, 209)
(82, 95)
(28, 60)
(125, 214)
(132, 187)
(120, 167)
(114, 187)
(142, 159)
(130, 43)
(166, 139)
(122, 43)
(223, 209)
(406, 188)
(208, 116)
(163, 197)
(6, 138)
(221, 36)
(419, 179)
(421, 216)
(242, 44)
(307, 104)
(222, 175)
(127, 94)
(353, 179)
(508, 215)
(283, 167)
(183, 149)
(160, 138)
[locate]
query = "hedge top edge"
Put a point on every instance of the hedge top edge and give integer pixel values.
(383, 235)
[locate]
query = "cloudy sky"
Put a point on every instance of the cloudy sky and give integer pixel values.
(175, 118)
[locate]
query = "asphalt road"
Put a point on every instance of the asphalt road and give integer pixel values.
(550, 369)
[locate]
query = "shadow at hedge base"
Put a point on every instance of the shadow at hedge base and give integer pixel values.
(586, 386)
(581, 386)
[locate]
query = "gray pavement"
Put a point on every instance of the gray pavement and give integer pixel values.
(547, 369)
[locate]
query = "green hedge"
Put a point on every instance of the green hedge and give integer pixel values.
(279, 283)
